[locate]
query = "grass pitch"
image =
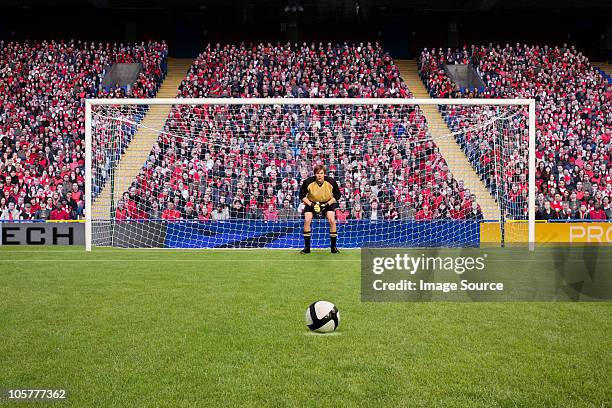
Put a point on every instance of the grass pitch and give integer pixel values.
(226, 328)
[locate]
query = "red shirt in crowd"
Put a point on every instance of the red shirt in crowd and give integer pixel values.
(423, 215)
(130, 207)
(171, 215)
(270, 215)
(597, 214)
(557, 206)
(76, 196)
(139, 214)
(456, 214)
(59, 214)
(121, 214)
(342, 215)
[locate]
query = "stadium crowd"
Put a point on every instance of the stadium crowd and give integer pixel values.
(293, 70)
(43, 85)
(573, 124)
(220, 162)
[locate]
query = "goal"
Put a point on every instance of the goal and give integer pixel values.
(225, 173)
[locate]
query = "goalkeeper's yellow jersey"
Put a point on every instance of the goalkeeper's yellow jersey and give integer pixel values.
(319, 193)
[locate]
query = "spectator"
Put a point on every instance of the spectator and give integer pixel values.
(44, 213)
(287, 212)
(546, 213)
(171, 213)
(190, 214)
(442, 213)
(140, 211)
(456, 213)
(597, 213)
(10, 213)
(238, 211)
(391, 213)
(424, 213)
(121, 213)
(76, 199)
(582, 213)
(154, 212)
(573, 203)
(607, 208)
(220, 213)
(407, 211)
(59, 213)
(254, 213)
(566, 213)
(357, 212)
(68, 209)
(28, 212)
(375, 213)
(270, 214)
(557, 204)
(475, 212)
(342, 213)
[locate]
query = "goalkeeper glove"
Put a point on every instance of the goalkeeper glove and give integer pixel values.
(319, 207)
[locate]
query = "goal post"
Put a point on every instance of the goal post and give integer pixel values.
(188, 156)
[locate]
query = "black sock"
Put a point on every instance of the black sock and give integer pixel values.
(333, 236)
(306, 239)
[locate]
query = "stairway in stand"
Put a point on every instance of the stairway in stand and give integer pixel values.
(456, 159)
(604, 66)
(138, 151)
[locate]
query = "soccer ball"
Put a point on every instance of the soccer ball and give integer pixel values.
(322, 317)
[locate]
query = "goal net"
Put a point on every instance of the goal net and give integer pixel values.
(226, 173)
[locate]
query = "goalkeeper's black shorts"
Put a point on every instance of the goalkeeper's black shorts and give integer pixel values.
(324, 209)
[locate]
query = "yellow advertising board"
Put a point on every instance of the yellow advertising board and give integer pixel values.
(555, 232)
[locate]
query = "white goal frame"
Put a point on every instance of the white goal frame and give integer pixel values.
(530, 103)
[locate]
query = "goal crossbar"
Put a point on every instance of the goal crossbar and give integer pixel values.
(311, 101)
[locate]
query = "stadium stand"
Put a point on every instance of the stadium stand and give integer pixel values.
(42, 88)
(574, 120)
(211, 158)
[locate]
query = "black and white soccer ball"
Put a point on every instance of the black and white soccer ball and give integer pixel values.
(322, 317)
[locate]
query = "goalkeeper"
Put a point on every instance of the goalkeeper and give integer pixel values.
(320, 195)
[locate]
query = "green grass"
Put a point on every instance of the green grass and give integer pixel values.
(226, 328)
